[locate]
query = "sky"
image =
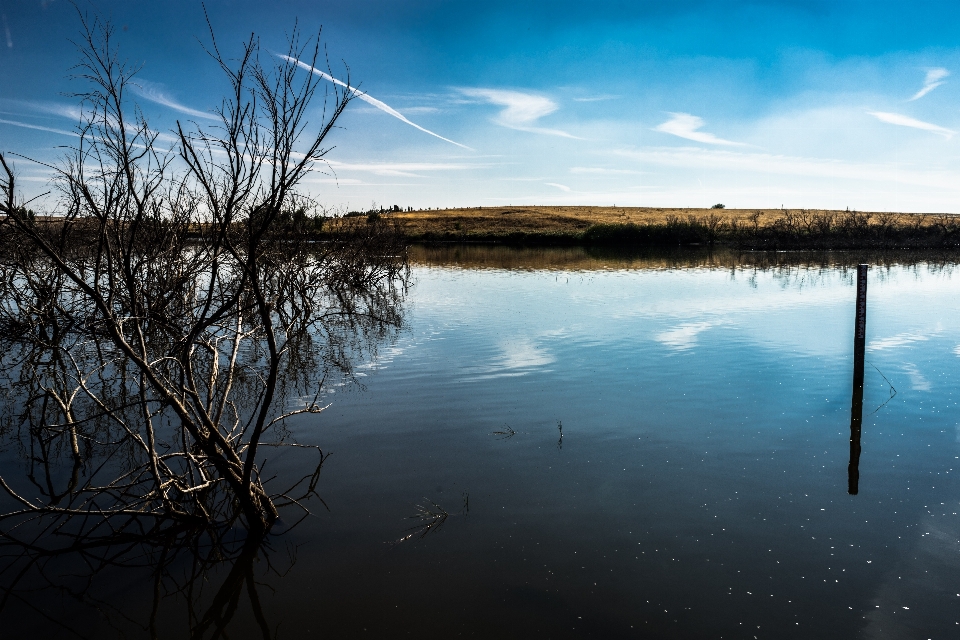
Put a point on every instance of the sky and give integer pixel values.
(799, 104)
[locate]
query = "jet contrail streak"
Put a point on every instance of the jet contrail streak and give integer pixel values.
(39, 128)
(368, 99)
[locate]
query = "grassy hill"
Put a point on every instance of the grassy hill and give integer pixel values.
(745, 228)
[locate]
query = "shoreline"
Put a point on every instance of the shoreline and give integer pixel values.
(604, 257)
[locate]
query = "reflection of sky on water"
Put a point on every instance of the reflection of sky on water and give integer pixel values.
(703, 468)
(797, 312)
(917, 381)
(684, 336)
(511, 357)
(522, 354)
(900, 340)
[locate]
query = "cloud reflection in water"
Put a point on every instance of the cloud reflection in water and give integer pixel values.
(683, 337)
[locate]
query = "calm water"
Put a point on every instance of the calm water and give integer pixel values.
(630, 447)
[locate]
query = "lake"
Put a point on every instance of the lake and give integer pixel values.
(567, 444)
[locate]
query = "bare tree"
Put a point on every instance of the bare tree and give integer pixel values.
(157, 320)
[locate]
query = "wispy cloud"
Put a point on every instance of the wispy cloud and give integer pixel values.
(562, 187)
(421, 109)
(685, 125)
(155, 93)
(404, 169)
(606, 197)
(907, 121)
(31, 108)
(522, 109)
(933, 80)
(341, 182)
(604, 171)
(745, 162)
(406, 110)
(599, 98)
(24, 108)
(368, 99)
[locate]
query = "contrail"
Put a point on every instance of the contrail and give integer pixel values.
(366, 98)
(6, 29)
(153, 93)
(39, 128)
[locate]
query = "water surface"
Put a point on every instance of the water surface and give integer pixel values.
(634, 446)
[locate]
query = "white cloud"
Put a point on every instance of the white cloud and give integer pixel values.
(154, 93)
(522, 109)
(562, 187)
(933, 80)
(907, 121)
(369, 99)
(685, 125)
(696, 158)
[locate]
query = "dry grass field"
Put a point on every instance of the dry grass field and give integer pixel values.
(776, 228)
(563, 221)
(639, 226)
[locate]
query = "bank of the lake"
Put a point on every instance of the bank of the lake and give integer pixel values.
(775, 229)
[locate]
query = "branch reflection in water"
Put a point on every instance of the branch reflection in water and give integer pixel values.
(158, 328)
(110, 476)
(431, 517)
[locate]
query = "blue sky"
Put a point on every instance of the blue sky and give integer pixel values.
(753, 104)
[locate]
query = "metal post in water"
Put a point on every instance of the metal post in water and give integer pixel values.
(856, 408)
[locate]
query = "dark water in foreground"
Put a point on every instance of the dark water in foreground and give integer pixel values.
(626, 448)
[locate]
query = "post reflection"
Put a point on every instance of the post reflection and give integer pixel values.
(856, 408)
(856, 423)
